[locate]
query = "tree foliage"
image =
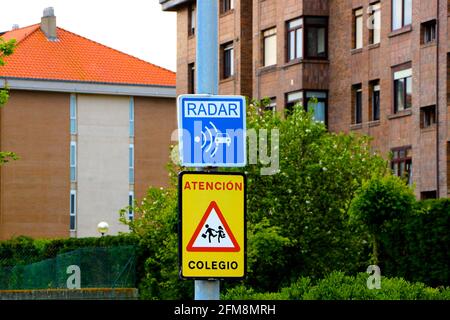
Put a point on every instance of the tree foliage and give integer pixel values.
(309, 199)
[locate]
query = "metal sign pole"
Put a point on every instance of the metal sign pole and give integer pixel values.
(207, 71)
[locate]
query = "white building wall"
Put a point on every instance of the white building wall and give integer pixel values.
(102, 166)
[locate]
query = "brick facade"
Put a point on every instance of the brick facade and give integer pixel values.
(343, 68)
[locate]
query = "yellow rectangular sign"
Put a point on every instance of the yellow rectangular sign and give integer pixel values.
(212, 211)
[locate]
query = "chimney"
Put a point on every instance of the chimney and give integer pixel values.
(15, 27)
(48, 24)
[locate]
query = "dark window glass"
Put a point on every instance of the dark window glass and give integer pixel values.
(316, 37)
(226, 5)
(402, 90)
(428, 31)
(401, 163)
(427, 116)
(375, 101)
(191, 20)
(72, 222)
(191, 78)
(357, 104)
(228, 61)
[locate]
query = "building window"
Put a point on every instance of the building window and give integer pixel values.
(357, 29)
(191, 78)
(295, 39)
(292, 99)
(316, 37)
(318, 101)
(375, 27)
(130, 205)
(270, 47)
(73, 114)
(427, 116)
(357, 104)
(401, 13)
(73, 161)
(271, 105)
(226, 5)
(191, 20)
(131, 163)
(402, 90)
(425, 195)
(375, 100)
(73, 210)
(428, 30)
(228, 60)
(131, 117)
(401, 163)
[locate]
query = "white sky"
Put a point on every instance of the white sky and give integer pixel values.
(136, 27)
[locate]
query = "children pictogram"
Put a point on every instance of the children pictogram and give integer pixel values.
(213, 233)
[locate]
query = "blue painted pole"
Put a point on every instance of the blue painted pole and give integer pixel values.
(207, 53)
(207, 75)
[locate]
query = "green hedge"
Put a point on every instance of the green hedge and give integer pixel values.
(425, 254)
(36, 264)
(409, 238)
(25, 250)
(338, 286)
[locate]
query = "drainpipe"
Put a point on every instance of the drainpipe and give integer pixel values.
(437, 98)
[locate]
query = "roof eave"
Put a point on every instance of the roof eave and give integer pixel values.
(172, 5)
(88, 87)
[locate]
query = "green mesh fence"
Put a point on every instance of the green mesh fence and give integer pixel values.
(98, 267)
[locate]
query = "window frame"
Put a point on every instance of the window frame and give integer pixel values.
(225, 48)
(402, 22)
(427, 116)
(375, 87)
(264, 38)
(73, 164)
(307, 26)
(424, 28)
(402, 79)
(73, 114)
(73, 213)
(405, 159)
(130, 205)
(131, 163)
(375, 8)
(304, 100)
(357, 110)
(131, 117)
(319, 99)
(192, 20)
(191, 78)
(226, 6)
(294, 30)
(358, 14)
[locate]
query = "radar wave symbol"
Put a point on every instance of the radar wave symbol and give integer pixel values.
(207, 139)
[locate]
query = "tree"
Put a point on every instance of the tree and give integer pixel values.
(381, 206)
(308, 201)
(6, 49)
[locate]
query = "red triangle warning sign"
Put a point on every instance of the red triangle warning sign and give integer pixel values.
(213, 233)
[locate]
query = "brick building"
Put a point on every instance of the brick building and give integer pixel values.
(376, 67)
(92, 128)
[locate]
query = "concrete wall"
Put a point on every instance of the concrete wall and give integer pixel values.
(155, 120)
(102, 164)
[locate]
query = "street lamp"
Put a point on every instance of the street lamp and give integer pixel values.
(103, 227)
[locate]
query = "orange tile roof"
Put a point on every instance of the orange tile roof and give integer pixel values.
(75, 58)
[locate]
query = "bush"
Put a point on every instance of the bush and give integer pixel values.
(410, 238)
(308, 200)
(338, 286)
